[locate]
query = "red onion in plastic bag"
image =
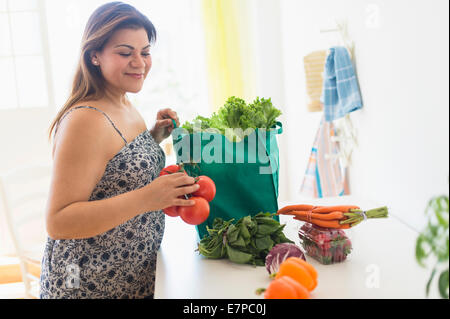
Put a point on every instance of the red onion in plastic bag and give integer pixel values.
(280, 253)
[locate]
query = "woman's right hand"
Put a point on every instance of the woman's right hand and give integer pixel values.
(165, 190)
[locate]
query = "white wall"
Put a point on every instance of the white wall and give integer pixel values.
(401, 53)
(265, 23)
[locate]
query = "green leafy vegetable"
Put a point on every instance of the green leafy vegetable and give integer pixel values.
(246, 242)
(237, 114)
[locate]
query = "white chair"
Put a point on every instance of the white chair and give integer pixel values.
(23, 194)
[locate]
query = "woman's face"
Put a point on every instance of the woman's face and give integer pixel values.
(125, 60)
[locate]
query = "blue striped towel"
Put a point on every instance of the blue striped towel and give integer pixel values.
(340, 94)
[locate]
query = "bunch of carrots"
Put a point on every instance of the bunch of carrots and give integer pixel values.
(340, 217)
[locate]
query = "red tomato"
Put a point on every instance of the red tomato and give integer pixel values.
(170, 170)
(171, 211)
(207, 188)
(195, 214)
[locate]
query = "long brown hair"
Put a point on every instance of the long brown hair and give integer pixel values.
(88, 82)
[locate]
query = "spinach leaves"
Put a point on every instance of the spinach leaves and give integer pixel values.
(246, 242)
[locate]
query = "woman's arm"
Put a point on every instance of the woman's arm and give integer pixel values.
(90, 218)
(86, 219)
(79, 163)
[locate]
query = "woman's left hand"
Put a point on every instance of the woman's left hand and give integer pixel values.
(164, 126)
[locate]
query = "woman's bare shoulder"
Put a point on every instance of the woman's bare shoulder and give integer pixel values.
(81, 114)
(81, 122)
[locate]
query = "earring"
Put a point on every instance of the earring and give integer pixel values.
(95, 62)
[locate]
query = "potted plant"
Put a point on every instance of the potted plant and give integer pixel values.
(433, 243)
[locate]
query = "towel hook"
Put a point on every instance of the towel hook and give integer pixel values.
(341, 28)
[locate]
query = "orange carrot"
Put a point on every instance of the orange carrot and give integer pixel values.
(329, 209)
(324, 223)
(324, 216)
(295, 207)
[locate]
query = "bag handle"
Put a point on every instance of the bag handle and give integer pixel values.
(280, 128)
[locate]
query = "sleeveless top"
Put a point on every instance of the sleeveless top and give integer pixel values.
(121, 262)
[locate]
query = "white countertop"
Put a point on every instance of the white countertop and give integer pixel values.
(381, 265)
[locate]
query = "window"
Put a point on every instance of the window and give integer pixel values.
(24, 77)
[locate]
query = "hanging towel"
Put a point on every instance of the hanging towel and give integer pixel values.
(324, 176)
(340, 94)
(314, 65)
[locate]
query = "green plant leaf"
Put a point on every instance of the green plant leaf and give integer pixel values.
(427, 290)
(429, 206)
(211, 247)
(267, 229)
(439, 212)
(232, 233)
(244, 230)
(264, 243)
(444, 203)
(238, 256)
(240, 242)
(433, 230)
(279, 238)
(260, 262)
(443, 284)
(420, 251)
(442, 253)
(435, 240)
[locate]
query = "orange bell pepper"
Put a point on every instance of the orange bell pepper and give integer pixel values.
(285, 287)
(300, 271)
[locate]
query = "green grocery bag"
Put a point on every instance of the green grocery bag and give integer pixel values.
(245, 172)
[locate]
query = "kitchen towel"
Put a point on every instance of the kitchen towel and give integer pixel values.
(340, 94)
(325, 176)
(314, 65)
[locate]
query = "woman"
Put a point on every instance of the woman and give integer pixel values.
(104, 213)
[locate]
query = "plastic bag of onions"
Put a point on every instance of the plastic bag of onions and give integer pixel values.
(280, 253)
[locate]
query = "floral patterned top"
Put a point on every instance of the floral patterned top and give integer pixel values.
(121, 262)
